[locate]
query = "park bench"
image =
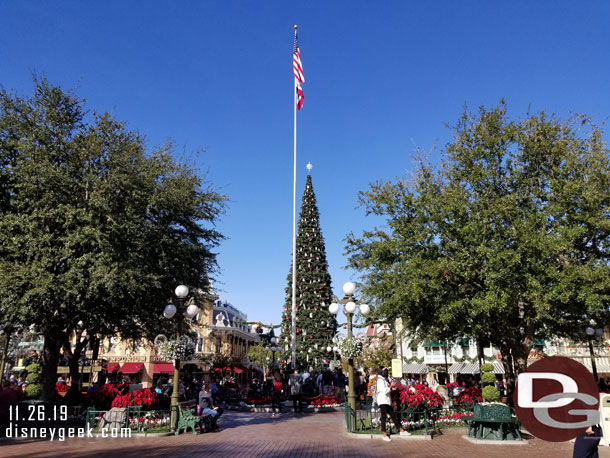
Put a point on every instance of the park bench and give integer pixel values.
(188, 419)
(495, 420)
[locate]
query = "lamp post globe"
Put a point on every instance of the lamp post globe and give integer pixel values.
(350, 307)
(590, 331)
(365, 309)
(191, 311)
(333, 308)
(170, 311)
(349, 288)
(181, 291)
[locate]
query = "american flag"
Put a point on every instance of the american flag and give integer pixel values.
(298, 71)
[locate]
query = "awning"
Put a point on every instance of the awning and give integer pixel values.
(131, 368)
(237, 370)
(414, 369)
(602, 365)
(455, 368)
(469, 368)
(498, 367)
(113, 366)
(473, 368)
(434, 343)
(163, 368)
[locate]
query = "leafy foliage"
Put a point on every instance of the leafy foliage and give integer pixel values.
(490, 393)
(93, 228)
(258, 355)
(507, 239)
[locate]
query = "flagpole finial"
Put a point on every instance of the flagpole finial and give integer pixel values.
(296, 27)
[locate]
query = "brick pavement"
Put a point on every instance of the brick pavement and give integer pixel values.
(258, 435)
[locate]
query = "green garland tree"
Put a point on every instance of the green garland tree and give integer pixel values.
(315, 325)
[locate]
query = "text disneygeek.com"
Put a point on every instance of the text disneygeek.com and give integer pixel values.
(61, 433)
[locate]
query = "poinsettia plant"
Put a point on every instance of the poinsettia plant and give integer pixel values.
(102, 397)
(145, 397)
(260, 401)
(468, 397)
(61, 389)
(415, 397)
(325, 401)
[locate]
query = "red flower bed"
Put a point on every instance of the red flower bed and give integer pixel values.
(325, 401)
(102, 397)
(468, 397)
(146, 397)
(258, 401)
(415, 397)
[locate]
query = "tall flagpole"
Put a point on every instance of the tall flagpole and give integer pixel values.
(294, 232)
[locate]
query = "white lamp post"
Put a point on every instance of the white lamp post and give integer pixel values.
(349, 309)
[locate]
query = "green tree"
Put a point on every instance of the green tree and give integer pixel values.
(258, 355)
(316, 326)
(506, 240)
(95, 232)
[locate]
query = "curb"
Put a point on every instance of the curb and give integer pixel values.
(417, 437)
(472, 440)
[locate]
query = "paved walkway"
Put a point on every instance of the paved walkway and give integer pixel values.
(250, 435)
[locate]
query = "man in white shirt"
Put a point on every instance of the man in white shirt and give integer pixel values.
(384, 400)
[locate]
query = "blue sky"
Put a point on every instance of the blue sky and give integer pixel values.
(216, 78)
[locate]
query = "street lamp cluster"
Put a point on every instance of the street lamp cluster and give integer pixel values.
(273, 348)
(350, 305)
(169, 312)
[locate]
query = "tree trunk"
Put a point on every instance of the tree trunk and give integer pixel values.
(7, 341)
(509, 373)
(73, 357)
(50, 358)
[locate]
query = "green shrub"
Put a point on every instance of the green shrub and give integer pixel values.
(488, 377)
(33, 391)
(490, 393)
(487, 367)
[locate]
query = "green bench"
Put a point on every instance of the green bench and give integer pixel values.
(494, 421)
(188, 419)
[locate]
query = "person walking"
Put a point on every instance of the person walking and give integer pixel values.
(586, 444)
(276, 399)
(295, 384)
(384, 401)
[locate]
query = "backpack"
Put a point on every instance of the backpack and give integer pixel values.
(373, 389)
(295, 385)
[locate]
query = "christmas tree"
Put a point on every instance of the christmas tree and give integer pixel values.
(315, 326)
